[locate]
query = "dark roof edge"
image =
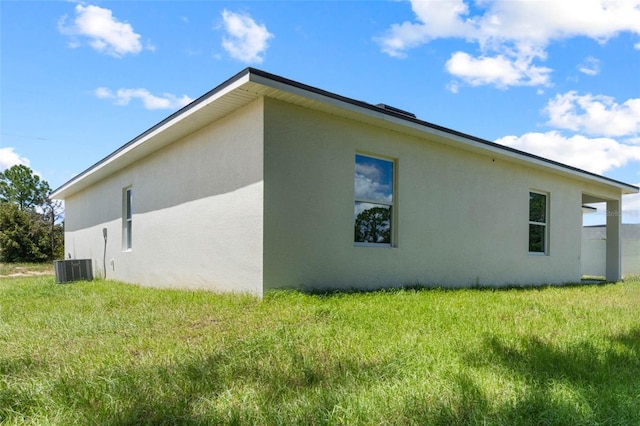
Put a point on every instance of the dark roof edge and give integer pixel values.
(430, 125)
(276, 78)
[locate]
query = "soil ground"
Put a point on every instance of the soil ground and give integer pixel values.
(25, 269)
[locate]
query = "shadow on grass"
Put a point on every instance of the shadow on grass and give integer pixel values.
(581, 383)
(255, 383)
(329, 292)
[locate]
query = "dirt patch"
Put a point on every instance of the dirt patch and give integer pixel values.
(27, 274)
(22, 270)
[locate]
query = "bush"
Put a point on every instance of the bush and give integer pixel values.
(24, 236)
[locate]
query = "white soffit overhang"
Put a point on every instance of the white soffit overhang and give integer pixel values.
(251, 84)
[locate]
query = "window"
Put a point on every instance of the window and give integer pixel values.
(373, 201)
(538, 218)
(127, 219)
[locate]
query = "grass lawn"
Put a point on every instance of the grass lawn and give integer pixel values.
(116, 354)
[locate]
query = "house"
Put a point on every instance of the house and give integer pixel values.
(594, 246)
(265, 183)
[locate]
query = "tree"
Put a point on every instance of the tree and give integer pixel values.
(21, 186)
(30, 228)
(373, 225)
(52, 215)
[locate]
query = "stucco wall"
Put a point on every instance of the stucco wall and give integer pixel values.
(594, 250)
(264, 198)
(197, 206)
(462, 218)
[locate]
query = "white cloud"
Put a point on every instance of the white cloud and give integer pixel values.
(510, 32)
(434, 21)
(596, 155)
(590, 66)
(150, 101)
(104, 32)
(245, 41)
(368, 183)
(453, 87)
(540, 22)
(499, 70)
(10, 158)
(598, 116)
(594, 114)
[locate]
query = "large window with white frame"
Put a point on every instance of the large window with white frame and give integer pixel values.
(127, 219)
(538, 223)
(373, 209)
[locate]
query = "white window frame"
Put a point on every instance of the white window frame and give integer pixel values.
(545, 224)
(391, 204)
(127, 219)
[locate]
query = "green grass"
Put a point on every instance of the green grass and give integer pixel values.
(116, 354)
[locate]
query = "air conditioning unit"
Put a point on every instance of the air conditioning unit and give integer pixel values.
(73, 270)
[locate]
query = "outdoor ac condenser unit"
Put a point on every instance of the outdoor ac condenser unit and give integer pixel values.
(73, 270)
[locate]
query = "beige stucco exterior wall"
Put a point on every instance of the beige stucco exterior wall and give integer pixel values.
(264, 197)
(461, 217)
(594, 250)
(197, 206)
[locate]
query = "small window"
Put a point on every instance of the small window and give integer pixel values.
(538, 218)
(127, 219)
(373, 201)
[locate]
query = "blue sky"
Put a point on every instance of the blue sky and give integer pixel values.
(559, 79)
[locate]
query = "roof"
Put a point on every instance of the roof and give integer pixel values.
(251, 84)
